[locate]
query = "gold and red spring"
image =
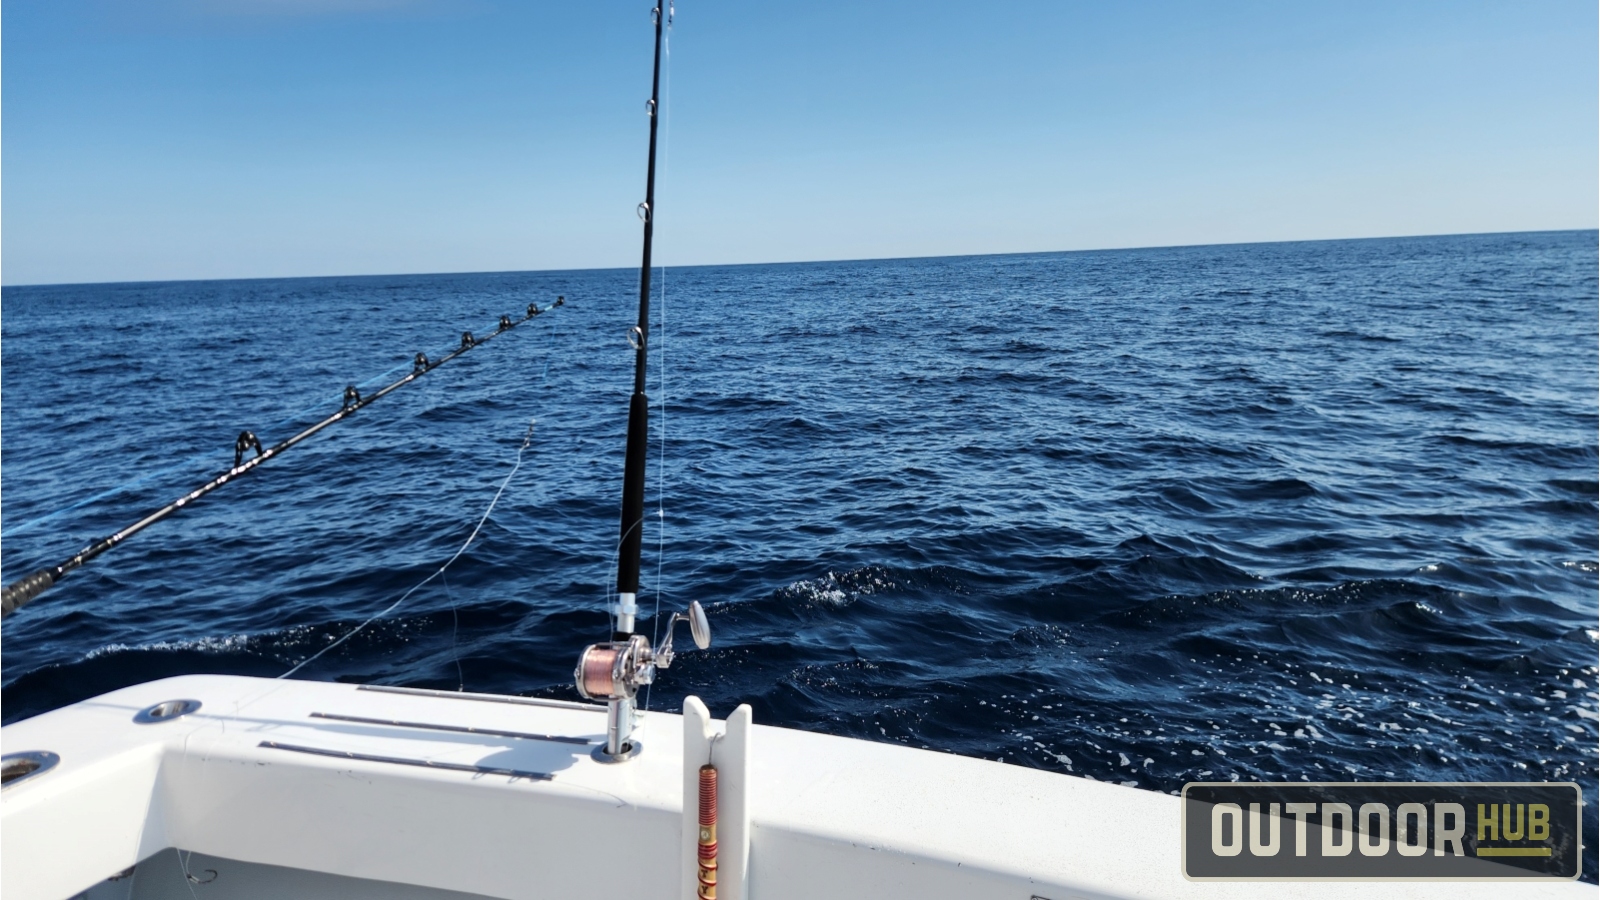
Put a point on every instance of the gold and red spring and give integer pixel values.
(708, 833)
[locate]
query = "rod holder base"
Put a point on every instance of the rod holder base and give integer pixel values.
(630, 749)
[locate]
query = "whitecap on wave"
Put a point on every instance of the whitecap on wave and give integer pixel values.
(837, 589)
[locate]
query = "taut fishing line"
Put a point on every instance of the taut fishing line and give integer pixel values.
(661, 360)
(455, 632)
(526, 440)
(455, 614)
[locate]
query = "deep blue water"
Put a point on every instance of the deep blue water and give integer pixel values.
(1322, 510)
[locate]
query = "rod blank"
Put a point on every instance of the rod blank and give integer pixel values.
(633, 471)
(24, 590)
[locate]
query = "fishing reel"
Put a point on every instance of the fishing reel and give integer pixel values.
(616, 670)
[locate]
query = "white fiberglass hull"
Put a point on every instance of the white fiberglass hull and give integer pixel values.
(246, 784)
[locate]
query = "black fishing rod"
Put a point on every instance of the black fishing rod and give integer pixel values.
(632, 528)
(25, 589)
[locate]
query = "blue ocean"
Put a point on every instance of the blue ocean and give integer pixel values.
(1322, 510)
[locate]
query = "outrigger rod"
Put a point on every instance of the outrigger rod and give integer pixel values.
(24, 589)
(613, 671)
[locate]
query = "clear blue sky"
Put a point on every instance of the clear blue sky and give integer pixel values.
(245, 138)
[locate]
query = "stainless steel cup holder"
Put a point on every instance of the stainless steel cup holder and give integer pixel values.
(166, 711)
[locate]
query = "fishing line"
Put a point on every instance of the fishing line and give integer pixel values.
(661, 361)
(455, 615)
(202, 455)
(661, 477)
(526, 440)
(455, 632)
(189, 880)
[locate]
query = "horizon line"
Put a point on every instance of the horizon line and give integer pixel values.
(1390, 237)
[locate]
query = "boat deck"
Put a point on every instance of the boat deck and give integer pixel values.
(289, 788)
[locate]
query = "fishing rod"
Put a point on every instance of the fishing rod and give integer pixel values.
(632, 526)
(613, 671)
(20, 592)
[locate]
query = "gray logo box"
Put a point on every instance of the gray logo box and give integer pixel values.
(1379, 831)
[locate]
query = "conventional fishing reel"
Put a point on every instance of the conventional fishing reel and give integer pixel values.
(614, 671)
